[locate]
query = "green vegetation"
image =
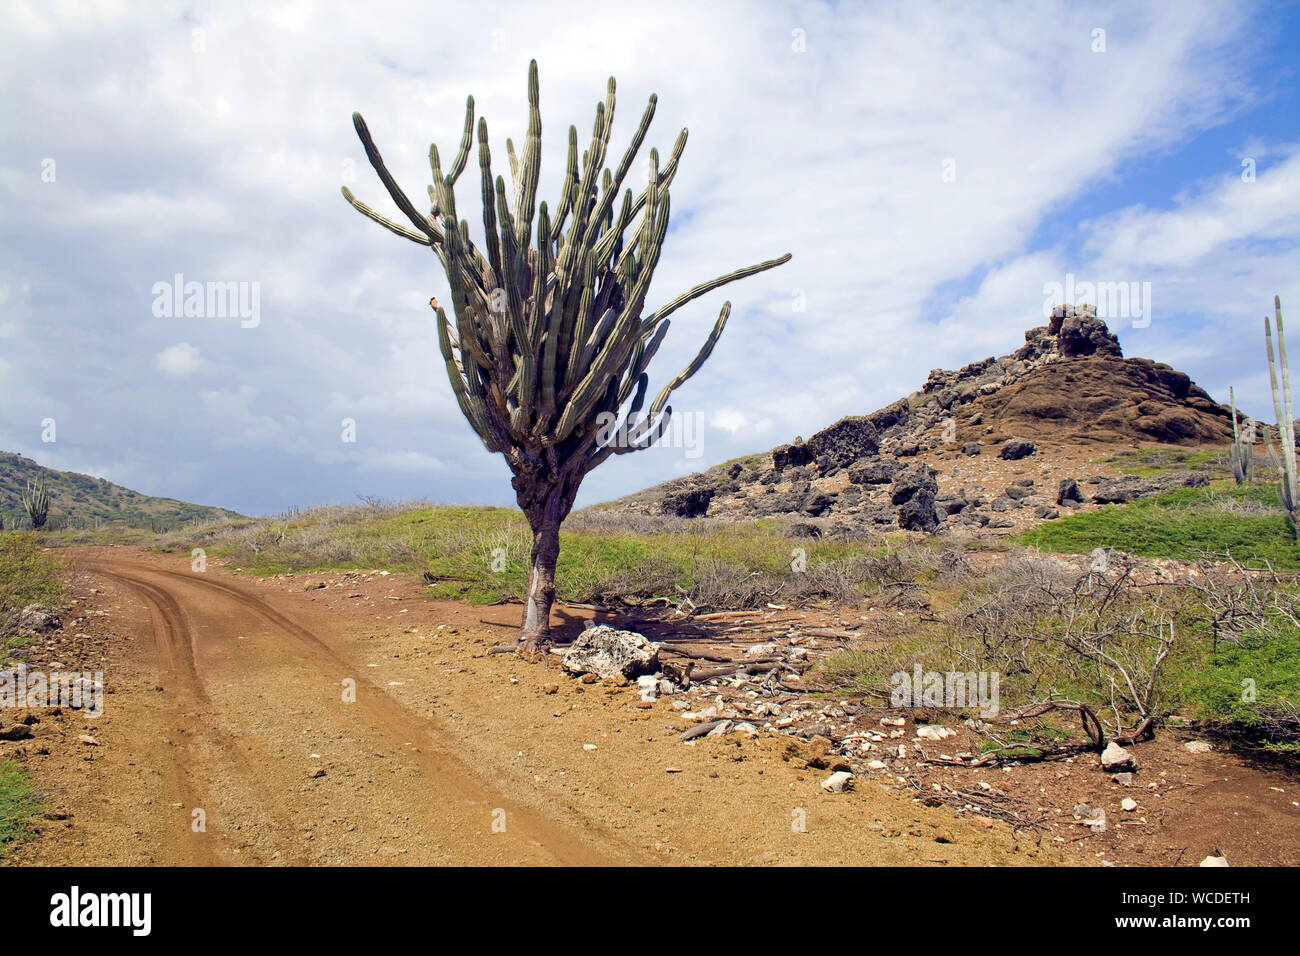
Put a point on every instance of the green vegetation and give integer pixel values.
(87, 503)
(482, 554)
(18, 804)
(1224, 648)
(1158, 459)
(1242, 520)
(28, 575)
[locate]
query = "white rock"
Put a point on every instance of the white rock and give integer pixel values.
(1215, 861)
(1129, 804)
(608, 652)
(1198, 746)
(1115, 759)
(934, 732)
(838, 782)
(760, 650)
(876, 765)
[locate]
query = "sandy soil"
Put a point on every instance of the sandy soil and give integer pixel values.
(226, 708)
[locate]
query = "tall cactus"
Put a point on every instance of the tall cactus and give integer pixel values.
(36, 503)
(549, 344)
(1241, 457)
(1285, 461)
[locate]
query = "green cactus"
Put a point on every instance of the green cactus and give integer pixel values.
(1241, 456)
(1285, 460)
(36, 503)
(549, 341)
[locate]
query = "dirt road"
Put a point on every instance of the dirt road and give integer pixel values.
(230, 736)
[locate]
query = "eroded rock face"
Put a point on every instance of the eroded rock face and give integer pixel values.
(608, 652)
(846, 441)
(874, 471)
(688, 503)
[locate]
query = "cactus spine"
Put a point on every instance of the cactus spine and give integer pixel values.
(1285, 461)
(1241, 457)
(548, 348)
(36, 503)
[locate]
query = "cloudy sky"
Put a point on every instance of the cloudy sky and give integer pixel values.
(932, 168)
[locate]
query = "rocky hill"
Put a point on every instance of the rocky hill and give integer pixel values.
(997, 443)
(85, 501)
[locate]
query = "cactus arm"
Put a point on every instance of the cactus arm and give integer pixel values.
(462, 155)
(706, 287)
(531, 164)
(705, 350)
(398, 228)
(489, 199)
(377, 162)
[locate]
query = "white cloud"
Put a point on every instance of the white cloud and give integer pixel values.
(179, 361)
(227, 163)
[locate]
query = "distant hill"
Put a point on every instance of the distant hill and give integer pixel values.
(1069, 389)
(84, 501)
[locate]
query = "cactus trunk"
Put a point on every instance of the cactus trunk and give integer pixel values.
(541, 585)
(548, 344)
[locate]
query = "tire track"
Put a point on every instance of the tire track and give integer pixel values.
(187, 701)
(447, 778)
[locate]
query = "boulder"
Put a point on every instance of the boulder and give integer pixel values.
(1115, 759)
(1015, 449)
(33, 619)
(1069, 492)
(608, 652)
(908, 484)
(846, 441)
(919, 513)
(971, 447)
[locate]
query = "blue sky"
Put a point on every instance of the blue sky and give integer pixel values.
(144, 140)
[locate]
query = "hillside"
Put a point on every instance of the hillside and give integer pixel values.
(85, 501)
(999, 444)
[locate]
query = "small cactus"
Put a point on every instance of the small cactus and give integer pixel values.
(36, 503)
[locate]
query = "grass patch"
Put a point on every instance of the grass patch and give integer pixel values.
(1182, 524)
(481, 554)
(28, 575)
(1156, 460)
(18, 804)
